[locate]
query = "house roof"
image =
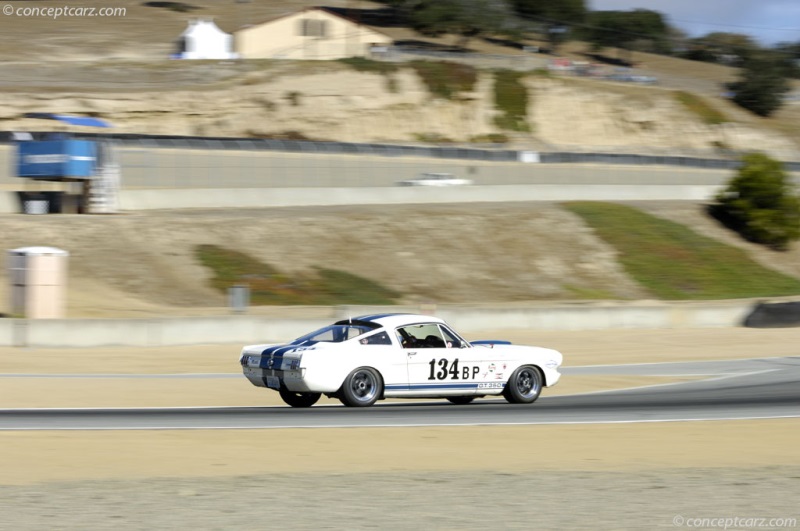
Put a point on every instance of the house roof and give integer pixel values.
(323, 9)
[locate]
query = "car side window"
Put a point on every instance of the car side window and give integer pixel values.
(381, 338)
(451, 339)
(421, 336)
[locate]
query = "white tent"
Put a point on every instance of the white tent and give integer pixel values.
(204, 40)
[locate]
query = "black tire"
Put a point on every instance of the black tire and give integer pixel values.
(299, 399)
(362, 388)
(460, 400)
(524, 386)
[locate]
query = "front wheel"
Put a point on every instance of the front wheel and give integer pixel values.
(524, 386)
(361, 388)
(299, 399)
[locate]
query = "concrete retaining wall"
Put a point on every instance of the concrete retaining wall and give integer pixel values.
(155, 199)
(281, 197)
(71, 333)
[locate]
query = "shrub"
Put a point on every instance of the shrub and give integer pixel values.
(432, 138)
(445, 79)
(761, 87)
(760, 203)
(491, 138)
(270, 286)
(701, 108)
(362, 64)
(511, 99)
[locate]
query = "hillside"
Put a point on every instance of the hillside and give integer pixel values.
(143, 264)
(117, 68)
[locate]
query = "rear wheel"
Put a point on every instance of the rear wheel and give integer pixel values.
(299, 399)
(524, 386)
(460, 400)
(361, 388)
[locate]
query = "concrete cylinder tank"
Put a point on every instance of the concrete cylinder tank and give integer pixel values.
(38, 277)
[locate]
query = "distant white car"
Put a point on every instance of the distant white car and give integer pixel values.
(435, 179)
(372, 357)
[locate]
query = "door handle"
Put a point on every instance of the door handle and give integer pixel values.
(411, 353)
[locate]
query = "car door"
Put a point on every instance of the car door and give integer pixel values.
(379, 351)
(436, 364)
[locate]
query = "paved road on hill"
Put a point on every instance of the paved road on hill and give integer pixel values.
(759, 388)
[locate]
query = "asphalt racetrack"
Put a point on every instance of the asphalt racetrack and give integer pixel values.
(736, 389)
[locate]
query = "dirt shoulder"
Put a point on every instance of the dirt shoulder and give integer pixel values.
(70, 456)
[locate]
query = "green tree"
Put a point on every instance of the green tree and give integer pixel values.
(762, 85)
(730, 48)
(760, 203)
(556, 17)
(788, 57)
(621, 29)
(467, 19)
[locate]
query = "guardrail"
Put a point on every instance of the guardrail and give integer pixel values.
(489, 153)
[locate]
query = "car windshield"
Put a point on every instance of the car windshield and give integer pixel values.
(335, 333)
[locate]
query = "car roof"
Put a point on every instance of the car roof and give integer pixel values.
(393, 320)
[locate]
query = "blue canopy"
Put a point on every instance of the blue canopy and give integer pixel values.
(72, 120)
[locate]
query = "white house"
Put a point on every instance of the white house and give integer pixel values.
(312, 33)
(202, 39)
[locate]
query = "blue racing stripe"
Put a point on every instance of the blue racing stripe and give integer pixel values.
(272, 358)
(429, 386)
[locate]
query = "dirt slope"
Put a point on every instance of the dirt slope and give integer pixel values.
(141, 264)
(330, 101)
(126, 263)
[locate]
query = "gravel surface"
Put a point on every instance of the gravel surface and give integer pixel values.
(480, 500)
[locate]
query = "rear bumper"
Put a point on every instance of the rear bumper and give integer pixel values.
(291, 380)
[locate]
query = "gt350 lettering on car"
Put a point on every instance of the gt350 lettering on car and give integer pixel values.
(369, 358)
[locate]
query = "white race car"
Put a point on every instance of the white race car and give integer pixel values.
(435, 179)
(372, 357)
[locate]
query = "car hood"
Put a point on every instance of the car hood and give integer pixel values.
(547, 357)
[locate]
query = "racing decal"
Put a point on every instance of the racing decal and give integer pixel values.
(444, 369)
(492, 371)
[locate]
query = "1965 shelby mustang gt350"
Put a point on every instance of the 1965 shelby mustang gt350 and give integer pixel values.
(372, 357)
